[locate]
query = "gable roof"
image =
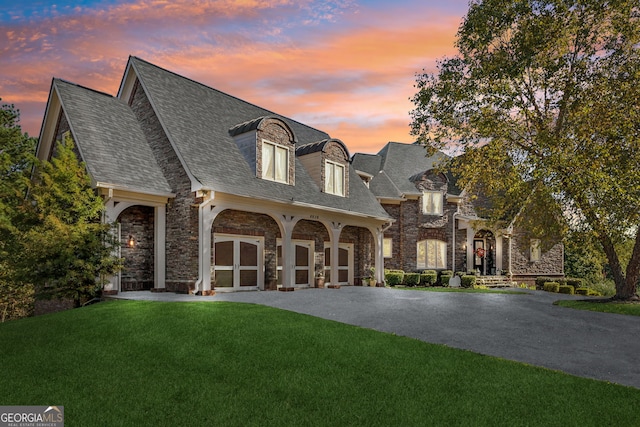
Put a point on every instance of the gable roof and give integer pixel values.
(110, 140)
(395, 165)
(197, 120)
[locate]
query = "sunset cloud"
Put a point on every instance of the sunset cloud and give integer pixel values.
(345, 67)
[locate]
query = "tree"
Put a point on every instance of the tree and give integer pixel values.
(66, 248)
(543, 97)
(16, 153)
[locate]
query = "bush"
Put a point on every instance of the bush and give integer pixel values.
(582, 291)
(428, 278)
(540, 281)
(412, 279)
(16, 301)
(566, 289)
(393, 277)
(551, 286)
(445, 276)
(603, 288)
(468, 281)
(575, 282)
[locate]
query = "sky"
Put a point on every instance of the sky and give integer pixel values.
(346, 67)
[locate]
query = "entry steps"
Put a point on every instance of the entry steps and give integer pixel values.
(495, 281)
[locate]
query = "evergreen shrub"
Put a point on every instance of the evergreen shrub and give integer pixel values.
(393, 277)
(468, 281)
(428, 277)
(566, 289)
(540, 281)
(411, 279)
(551, 287)
(445, 276)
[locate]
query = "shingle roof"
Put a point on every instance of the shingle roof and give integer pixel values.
(394, 167)
(110, 140)
(197, 120)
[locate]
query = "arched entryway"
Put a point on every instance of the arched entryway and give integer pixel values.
(243, 253)
(137, 248)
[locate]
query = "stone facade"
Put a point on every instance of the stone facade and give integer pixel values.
(137, 224)
(275, 131)
(182, 217)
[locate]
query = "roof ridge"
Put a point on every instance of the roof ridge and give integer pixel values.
(226, 94)
(57, 79)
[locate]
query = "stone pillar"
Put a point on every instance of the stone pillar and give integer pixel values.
(160, 221)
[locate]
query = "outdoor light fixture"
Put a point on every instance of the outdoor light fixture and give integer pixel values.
(131, 242)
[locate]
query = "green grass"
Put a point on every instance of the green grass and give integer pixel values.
(629, 308)
(137, 363)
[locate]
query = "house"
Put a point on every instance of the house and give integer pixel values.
(209, 191)
(437, 223)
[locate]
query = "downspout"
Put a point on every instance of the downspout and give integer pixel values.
(207, 198)
(453, 238)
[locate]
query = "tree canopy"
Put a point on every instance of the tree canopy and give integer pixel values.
(543, 98)
(51, 234)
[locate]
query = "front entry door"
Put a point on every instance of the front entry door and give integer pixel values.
(238, 262)
(478, 256)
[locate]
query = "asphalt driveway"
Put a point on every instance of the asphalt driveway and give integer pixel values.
(521, 327)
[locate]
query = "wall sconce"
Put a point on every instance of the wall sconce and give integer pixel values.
(131, 241)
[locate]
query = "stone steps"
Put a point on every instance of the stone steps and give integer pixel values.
(495, 281)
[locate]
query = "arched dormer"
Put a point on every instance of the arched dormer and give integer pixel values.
(433, 186)
(268, 145)
(327, 162)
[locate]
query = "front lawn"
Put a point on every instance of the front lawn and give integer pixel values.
(618, 307)
(138, 363)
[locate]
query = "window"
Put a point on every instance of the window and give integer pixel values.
(333, 178)
(431, 254)
(432, 203)
(535, 252)
(275, 162)
(387, 247)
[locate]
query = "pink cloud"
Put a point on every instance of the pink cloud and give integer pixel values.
(352, 75)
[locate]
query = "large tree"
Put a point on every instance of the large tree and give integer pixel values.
(66, 249)
(16, 152)
(543, 97)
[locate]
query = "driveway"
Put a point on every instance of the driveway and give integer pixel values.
(521, 327)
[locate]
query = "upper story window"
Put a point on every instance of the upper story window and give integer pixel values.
(275, 162)
(432, 202)
(334, 178)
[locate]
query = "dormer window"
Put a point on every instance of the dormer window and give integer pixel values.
(275, 162)
(334, 178)
(432, 203)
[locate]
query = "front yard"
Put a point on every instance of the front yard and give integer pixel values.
(133, 363)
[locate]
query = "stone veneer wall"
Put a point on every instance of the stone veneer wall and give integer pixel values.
(273, 130)
(182, 217)
(551, 262)
(138, 271)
